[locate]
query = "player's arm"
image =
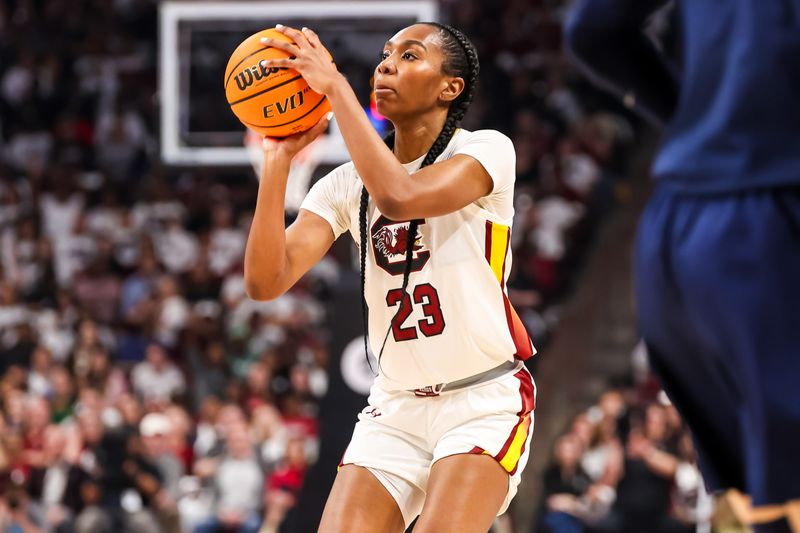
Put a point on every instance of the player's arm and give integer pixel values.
(436, 190)
(275, 256)
(607, 37)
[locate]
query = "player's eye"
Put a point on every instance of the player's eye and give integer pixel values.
(408, 56)
(383, 55)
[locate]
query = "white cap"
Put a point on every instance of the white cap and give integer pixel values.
(154, 424)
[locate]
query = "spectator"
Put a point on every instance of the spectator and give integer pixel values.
(270, 434)
(55, 485)
(156, 431)
(172, 312)
(177, 248)
(16, 513)
(564, 481)
(211, 372)
(120, 137)
(97, 287)
(226, 419)
(238, 485)
(227, 241)
(283, 487)
(61, 207)
(201, 283)
(130, 409)
(20, 348)
(179, 439)
(37, 418)
(62, 399)
(89, 339)
(57, 326)
(258, 379)
(157, 379)
(103, 376)
(39, 374)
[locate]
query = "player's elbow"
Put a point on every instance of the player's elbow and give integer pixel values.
(258, 292)
(394, 207)
(257, 289)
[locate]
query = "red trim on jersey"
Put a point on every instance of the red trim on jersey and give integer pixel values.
(488, 249)
(526, 392)
(477, 450)
(519, 335)
(505, 258)
(522, 341)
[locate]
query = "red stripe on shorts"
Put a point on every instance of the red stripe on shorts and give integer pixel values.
(526, 391)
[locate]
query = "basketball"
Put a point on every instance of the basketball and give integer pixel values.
(275, 102)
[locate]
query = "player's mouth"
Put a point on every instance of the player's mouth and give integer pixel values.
(383, 90)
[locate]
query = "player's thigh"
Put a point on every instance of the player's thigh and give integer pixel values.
(465, 492)
(359, 503)
(686, 352)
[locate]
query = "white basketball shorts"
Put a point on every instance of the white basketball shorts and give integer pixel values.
(399, 435)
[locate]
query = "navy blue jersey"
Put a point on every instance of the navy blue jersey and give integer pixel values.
(733, 110)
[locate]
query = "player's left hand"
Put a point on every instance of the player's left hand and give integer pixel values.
(311, 59)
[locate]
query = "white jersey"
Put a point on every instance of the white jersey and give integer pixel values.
(457, 320)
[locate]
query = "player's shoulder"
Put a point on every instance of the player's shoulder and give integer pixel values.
(345, 170)
(485, 136)
(341, 183)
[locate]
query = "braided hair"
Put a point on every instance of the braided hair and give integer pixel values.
(460, 59)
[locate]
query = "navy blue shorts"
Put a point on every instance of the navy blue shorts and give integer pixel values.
(718, 296)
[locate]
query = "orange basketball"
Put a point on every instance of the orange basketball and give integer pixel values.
(275, 102)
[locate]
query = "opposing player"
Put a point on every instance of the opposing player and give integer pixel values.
(718, 252)
(447, 430)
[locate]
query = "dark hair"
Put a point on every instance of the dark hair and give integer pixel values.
(460, 59)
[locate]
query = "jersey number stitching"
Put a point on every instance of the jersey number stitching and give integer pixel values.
(433, 324)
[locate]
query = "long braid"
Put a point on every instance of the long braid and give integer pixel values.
(362, 226)
(461, 59)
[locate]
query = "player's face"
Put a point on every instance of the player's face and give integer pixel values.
(409, 78)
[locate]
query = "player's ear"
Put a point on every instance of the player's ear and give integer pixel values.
(453, 88)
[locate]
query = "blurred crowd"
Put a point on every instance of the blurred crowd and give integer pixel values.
(140, 388)
(625, 465)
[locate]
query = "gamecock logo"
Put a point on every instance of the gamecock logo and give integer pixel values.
(390, 244)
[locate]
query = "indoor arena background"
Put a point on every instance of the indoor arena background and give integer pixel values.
(142, 391)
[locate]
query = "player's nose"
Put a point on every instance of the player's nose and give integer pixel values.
(386, 66)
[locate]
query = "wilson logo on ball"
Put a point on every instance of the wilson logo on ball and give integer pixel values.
(250, 75)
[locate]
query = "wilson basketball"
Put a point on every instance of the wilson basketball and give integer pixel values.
(275, 102)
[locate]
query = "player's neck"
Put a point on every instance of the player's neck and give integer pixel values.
(413, 139)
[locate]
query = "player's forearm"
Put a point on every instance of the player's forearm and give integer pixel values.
(386, 180)
(265, 254)
(607, 37)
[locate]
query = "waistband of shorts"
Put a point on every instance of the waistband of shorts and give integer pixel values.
(492, 373)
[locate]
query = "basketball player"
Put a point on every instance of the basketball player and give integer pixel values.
(718, 253)
(447, 430)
